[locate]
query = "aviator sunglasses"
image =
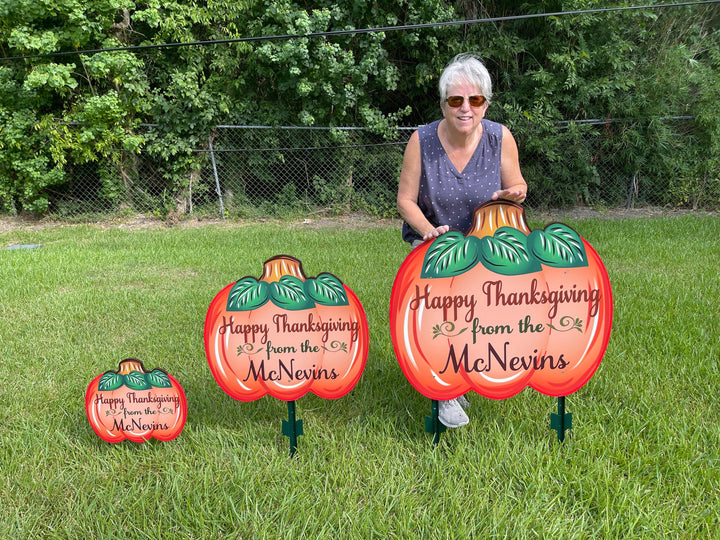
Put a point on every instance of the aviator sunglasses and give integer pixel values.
(457, 101)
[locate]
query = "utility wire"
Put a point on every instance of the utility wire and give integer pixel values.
(358, 30)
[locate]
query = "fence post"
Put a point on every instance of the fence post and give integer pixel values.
(217, 180)
(633, 192)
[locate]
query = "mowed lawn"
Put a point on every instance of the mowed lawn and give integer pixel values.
(642, 459)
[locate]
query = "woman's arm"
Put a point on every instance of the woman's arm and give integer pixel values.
(409, 189)
(513, 184)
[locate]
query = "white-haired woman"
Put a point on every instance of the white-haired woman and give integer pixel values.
(453, 165)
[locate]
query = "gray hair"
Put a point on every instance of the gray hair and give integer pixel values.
(468, 68)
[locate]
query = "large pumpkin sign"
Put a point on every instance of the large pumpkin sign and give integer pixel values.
(501, 308)
(285, 334)
(134, 404)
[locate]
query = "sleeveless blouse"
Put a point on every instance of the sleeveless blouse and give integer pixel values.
(447, 197)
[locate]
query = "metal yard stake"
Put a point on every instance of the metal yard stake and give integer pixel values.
(292, 428)
(561, 421)
(433, 424)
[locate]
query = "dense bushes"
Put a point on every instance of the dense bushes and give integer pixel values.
(555, 77)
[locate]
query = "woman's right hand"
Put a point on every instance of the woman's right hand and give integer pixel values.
(437, 231)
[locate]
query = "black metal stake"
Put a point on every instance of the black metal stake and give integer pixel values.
(433, 424)
(292, 428)
(561, 421)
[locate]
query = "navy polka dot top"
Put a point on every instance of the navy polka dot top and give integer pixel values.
(448, 197)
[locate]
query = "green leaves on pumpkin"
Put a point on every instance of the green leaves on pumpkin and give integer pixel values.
(135, 380)
(110, 380)
(158, 379)
(508, 252)
(558, 246)
(247, 294)
(326, 290)
(450, 255)
(289, 293)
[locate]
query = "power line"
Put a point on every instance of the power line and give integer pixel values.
(333, 33)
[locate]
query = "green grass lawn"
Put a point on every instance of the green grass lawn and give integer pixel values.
(642, 459)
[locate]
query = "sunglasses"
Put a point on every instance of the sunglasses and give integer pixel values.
(457, 101)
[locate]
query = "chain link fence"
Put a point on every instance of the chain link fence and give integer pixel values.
(254, 172)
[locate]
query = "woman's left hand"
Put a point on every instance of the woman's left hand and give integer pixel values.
(514, 195)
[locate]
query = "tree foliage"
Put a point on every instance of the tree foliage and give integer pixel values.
(554, 76)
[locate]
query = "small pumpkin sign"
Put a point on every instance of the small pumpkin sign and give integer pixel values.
(501, 308)
(135, 404)
(285, 335)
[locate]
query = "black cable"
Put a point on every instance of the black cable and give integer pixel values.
(357, 30)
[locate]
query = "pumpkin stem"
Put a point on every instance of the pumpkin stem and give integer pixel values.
(130, 364)
(282, 265)
(492, 215)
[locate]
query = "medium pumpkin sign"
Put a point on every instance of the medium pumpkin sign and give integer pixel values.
(134, 404)
(501, 308)
(286, 335)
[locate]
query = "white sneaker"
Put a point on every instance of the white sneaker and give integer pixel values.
(463, 401)
(451, 414)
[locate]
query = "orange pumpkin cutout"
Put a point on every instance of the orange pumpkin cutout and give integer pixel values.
(286, 335)
(133, 404)
(501, 308)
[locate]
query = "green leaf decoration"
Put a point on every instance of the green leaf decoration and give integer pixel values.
(335, 346)
(450, 255)
(248, 348)
(289, 293)
(136, 381)
(110, 380)
(446, 329)
(158, 378)
(558, 246)
(568, 323)
(507, 253)
(248, 294)
(326, 290)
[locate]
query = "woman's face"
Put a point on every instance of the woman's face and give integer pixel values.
(465, 118)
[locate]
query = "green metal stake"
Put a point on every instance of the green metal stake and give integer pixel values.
(292, 428)
(433, 424)
(561, 421)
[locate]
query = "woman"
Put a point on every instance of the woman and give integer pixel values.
(453, 165)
